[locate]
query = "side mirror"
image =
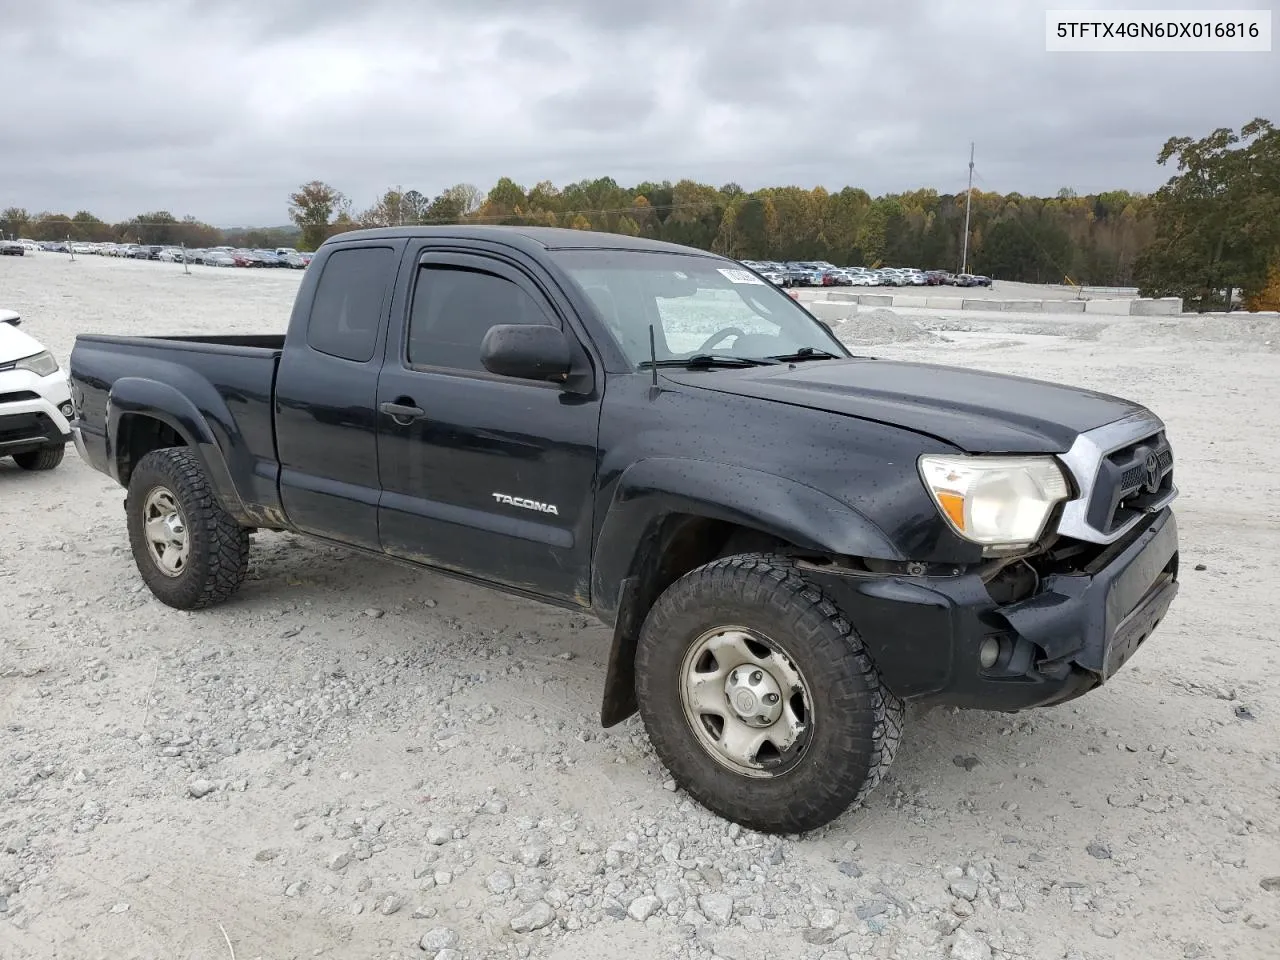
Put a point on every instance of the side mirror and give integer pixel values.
(528, 351)
(9, 317)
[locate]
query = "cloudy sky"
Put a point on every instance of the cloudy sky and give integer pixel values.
(219, 108)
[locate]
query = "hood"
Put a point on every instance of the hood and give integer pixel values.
(14, 344)
(976, 411)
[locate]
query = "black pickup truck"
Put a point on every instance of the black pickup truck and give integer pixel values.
(788, 541)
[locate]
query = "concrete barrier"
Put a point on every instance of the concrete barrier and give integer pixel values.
(836, 310)
(1113, 308)
(1107, 306)
(1156, 307)
(1064, 306)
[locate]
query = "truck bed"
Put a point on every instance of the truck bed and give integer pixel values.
(218, 390)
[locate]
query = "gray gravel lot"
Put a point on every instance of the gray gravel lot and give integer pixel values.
(354, 759)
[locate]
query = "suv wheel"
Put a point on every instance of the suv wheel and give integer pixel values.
(759, 698)
(191, 553)
(46, 458)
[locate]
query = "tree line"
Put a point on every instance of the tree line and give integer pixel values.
(1066, 238)
(155, 227)
(1214, 227)
(1211, 230)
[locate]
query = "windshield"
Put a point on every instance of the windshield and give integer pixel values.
(697, 305)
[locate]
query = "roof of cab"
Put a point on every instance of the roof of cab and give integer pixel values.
(528, 238)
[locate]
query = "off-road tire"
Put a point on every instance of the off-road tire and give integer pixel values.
(219, 547)
(46, 458)
(857, 720)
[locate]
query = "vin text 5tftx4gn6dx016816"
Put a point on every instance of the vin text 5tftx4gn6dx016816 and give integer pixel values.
(788, 541)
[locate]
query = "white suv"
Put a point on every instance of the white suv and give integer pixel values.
(35, 400)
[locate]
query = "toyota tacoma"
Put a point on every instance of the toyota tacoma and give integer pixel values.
(788, 541)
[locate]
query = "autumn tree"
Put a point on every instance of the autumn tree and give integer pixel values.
(453, 204)
(394, 208)
(415, 206)
(505, 203)
(1268, 298)
(1217, 220)
(313, 208)
(89, 228)
(643, 216)
(15, 222)
(545, 197)
(52, 226)
(342, 223)
(155, 227)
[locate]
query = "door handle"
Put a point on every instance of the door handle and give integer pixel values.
(402, 413)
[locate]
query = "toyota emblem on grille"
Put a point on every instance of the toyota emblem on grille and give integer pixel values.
(1151, 466)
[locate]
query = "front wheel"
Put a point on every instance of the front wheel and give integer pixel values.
(759, 698)
(191, 553)
(46, 458)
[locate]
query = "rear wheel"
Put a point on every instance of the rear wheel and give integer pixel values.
(190, 552)
(46, 458)
(759, 697)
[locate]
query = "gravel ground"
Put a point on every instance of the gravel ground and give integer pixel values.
(353, 759)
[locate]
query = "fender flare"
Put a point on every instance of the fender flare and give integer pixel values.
(651, 490)
(162, 402)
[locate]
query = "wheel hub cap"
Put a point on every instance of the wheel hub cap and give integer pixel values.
(754, 695)
(746, 701)
(165, 530)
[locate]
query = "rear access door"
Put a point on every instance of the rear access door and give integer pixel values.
(325, 414)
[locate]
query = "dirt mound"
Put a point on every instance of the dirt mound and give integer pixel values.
(1073, 330)
(1257, 331)
(883, 326)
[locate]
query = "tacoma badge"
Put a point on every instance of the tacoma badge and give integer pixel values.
(527, 504)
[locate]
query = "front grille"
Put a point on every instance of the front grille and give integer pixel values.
(16, 395)
(1134, 476)
(1129, 481)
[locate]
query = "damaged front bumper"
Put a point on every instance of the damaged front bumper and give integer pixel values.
(933, 637)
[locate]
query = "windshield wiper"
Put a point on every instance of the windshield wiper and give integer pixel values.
(709, 360)
(805, 353)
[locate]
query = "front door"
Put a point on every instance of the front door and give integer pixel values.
(484, 475)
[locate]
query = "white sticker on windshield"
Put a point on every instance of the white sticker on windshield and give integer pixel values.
(740, 276)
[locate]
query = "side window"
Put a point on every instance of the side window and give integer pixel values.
(454, 307)
(347, 309)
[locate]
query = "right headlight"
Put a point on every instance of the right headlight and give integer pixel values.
(995, 501)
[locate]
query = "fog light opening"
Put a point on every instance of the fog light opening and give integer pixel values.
(66, 408)
(989, 653)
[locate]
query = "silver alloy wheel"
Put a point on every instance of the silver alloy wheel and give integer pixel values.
(165, 528)
(746, 701)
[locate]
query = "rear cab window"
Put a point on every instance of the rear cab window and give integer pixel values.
(346, 314)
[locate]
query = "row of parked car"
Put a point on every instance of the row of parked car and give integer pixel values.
(227, 257)
(214, 256)
(820, 273)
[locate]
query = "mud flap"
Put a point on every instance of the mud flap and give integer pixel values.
(619, 701)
